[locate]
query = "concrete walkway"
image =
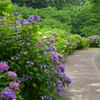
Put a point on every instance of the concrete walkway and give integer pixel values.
(83, 68)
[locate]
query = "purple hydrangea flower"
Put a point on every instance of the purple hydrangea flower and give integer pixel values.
(26, 43)
(16, 14)
(61, 67)
(16, 17)
(3, 24)
(45, 96)
(61, 56)
(55, 33)
(14, 28)
(68, 79)
(51, 39)
(72, 44)
(59, 91)
(22, 21)
(93, 38)
(52, 67)
(3, 66)
(14, 85)
(62, 75)
(54, 57)
(42, 65)
(59, 84)
(15, 57)
(34, 18)
(48, 43)
(30, 62)
(2, 18)
(7, 94)
(11, 74)
(24, 52)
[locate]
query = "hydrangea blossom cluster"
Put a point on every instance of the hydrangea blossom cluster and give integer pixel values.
(26, 43)
(45, 96)
(59, 91)
(2, 18)
(15, 57)
(16, 14)
(68, 79)
(59, 84)
(61, 67)
(3, 66)
(8, 94)
(22, 21)
(29, 62)
(48, 43)
(24, 52)
(55, 48)
(14, 85)
(11, 74)
(14, 28)
(34, 18)
(48, 50)
(26, 76)
(51, 39)
(54, 57)
(42, 65)
(62, 75)
(93, 38)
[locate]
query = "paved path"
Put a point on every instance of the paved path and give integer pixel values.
(83, 68)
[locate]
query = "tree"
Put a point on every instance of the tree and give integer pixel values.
(41, 3)
(6, 6)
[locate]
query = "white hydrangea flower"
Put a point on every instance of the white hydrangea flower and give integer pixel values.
(39, 33)
(44, 36)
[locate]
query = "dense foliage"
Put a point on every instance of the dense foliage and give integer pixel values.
(80, 19)
(33, 65)
(45, 3)
(5, 6)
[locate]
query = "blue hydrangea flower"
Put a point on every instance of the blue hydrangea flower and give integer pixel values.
(48, 50)
(27, 76)
(2, 17)
(19, 80)
(42, 65)
(48, 43)
(16, 13)
(45, 96)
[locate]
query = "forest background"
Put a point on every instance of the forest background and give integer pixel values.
(75, 16)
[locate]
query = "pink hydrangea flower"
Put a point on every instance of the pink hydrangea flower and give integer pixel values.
(51, 39)
(11, 74)
(14, 85)
(3, 66)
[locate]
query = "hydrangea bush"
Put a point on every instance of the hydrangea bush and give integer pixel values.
(36, 69)
(94, 41)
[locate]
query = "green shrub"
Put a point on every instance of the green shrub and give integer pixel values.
(5, 6)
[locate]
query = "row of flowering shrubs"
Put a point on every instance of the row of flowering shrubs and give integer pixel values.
(29, 70)
(31, 59)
